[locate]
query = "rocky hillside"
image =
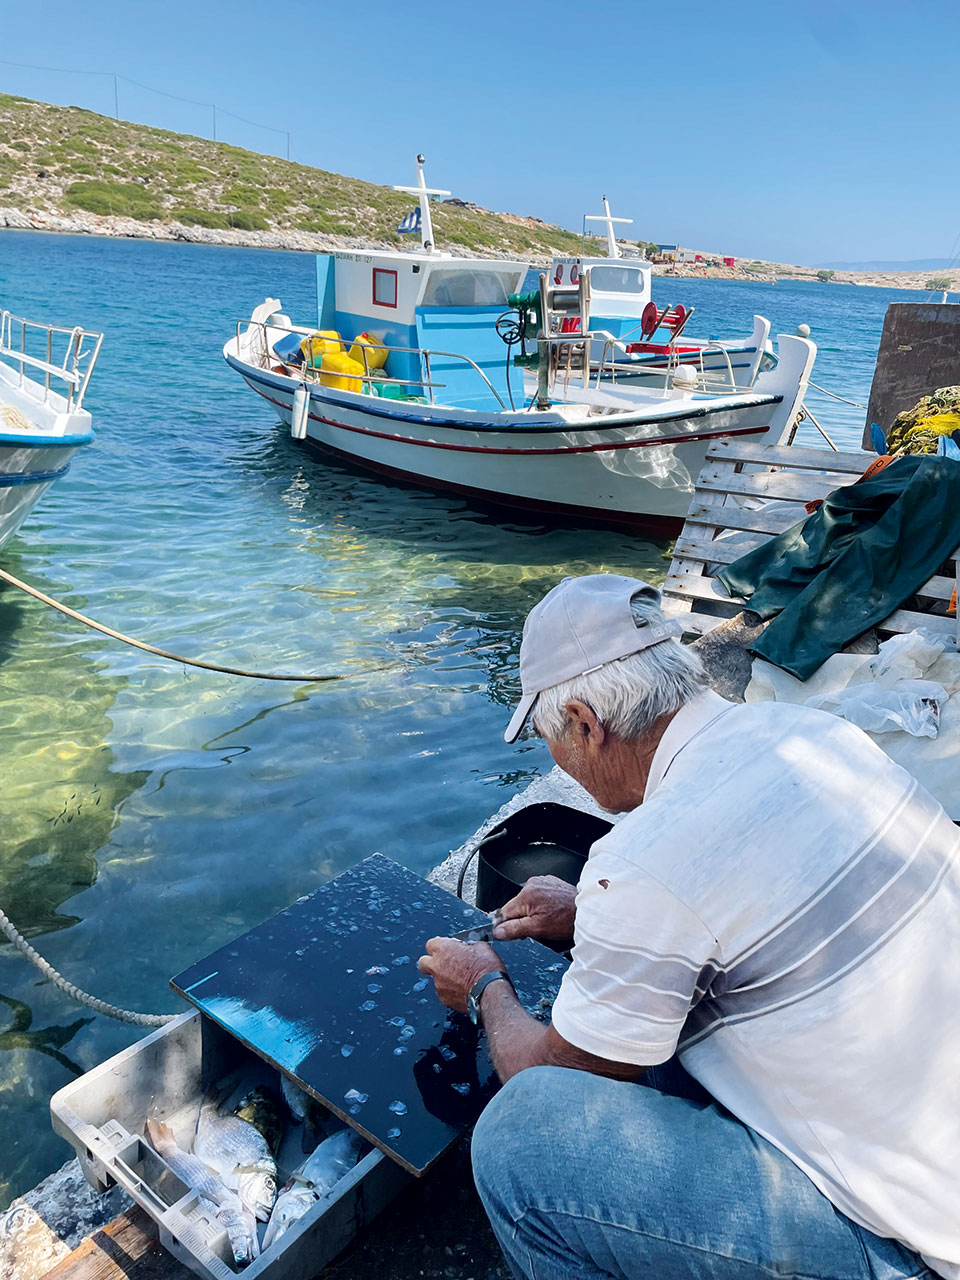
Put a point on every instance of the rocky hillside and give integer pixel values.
(69, 169)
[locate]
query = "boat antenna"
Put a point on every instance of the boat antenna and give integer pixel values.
(424, 192)
(613, 249)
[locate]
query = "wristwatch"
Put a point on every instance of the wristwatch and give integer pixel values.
(473, 999)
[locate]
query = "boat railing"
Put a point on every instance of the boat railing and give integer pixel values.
(609, 368)
(64, 357)
(265, 356)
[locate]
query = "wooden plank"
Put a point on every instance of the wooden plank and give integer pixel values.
(792, 456)
(908, 620)
(702, 589)
(717, 550)
(125, 1249)
(694, 624)
(771, 484)
(726, 551)
(753, 520)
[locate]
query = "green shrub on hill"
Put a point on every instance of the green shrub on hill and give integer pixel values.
(123, 199)
(201, 218)
(247, 220)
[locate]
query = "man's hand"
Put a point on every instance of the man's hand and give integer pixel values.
(456, 967)
(544, 908)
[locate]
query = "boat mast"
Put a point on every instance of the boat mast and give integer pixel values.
(424, 192)
(613, 249)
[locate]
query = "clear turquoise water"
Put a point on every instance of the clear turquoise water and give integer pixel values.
(149, 813)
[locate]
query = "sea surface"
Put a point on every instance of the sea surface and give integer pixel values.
(149, 812)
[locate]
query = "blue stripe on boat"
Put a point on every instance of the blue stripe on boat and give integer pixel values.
(9, 440)
(32, 477)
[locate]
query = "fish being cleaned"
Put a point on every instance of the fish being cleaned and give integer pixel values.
(239, 1153)
(334, 1157)
(217, 1200)
(262, 1108)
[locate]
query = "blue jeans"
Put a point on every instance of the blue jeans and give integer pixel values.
(585, 1178)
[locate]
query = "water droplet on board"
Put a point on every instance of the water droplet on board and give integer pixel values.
(397, 914)
(346, 1050)
(419, 986)
(354, 928)
(401, 959)
(376, 968)
(354, 1110)
(423, 1001)
(446, 1052)
(436, 1067)
(398, 1021)
(368, 1005)
(416, 905)
(349, 971)
(301, 951)
(374, 987)
(394, 1133)
(398, 1108)
(406, 1033)
(400, 1049)
(461, 1088)
(354, 1095)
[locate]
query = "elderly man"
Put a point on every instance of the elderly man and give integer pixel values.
(779, 910)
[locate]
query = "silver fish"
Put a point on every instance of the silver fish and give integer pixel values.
(216, 1199)
(240, 1154)
(333, 1158)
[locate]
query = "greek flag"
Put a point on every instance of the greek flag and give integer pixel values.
(410, 223)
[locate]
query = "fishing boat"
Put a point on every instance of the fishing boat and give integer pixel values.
(642, 343)
(44, 373)
(430, 393)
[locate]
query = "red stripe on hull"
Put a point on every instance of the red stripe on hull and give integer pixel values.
(536, 453)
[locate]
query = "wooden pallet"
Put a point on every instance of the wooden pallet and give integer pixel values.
(125, 1249)
(736, 469)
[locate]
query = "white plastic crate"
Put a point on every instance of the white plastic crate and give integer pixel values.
(102, 1115)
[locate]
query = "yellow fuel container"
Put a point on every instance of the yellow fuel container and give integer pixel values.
(376, 352)
(318, 344)
(340, 372)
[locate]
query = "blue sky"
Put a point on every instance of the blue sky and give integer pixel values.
(802, 132)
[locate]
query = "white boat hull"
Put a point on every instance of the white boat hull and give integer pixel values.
(26, 473)
(638, 473)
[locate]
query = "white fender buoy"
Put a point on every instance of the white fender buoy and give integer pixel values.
(301, 410)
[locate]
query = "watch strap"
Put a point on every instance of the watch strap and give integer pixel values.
(478, 988)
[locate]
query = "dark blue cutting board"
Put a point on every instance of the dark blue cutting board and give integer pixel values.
(329, 992)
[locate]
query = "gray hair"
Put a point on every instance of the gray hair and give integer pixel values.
(628, 695)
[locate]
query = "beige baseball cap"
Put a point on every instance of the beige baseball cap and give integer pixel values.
(578, 626)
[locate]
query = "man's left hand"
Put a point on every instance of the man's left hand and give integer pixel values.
(456, 967)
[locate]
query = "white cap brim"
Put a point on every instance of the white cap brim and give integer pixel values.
(519, 718)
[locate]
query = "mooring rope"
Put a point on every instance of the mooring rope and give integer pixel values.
(835, 396)
(75, 992)
(6, 925)
(164, 653)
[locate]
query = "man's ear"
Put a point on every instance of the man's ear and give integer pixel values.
(583, 722)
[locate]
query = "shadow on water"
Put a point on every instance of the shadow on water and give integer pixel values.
(21, 1034)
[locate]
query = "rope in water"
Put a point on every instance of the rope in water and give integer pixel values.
(6, 925)
(836, 397)
(75, 992)
(162, 653)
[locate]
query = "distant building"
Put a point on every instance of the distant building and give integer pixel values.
(667, 250)
(729, 262)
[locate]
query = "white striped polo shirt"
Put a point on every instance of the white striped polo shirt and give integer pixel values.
(784, 910)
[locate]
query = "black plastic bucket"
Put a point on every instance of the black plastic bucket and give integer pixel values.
(541, 840)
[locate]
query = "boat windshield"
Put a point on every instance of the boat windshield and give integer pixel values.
(463, 287)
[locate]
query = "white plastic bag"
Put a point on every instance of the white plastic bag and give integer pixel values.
(912, 706)
(907, 657)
